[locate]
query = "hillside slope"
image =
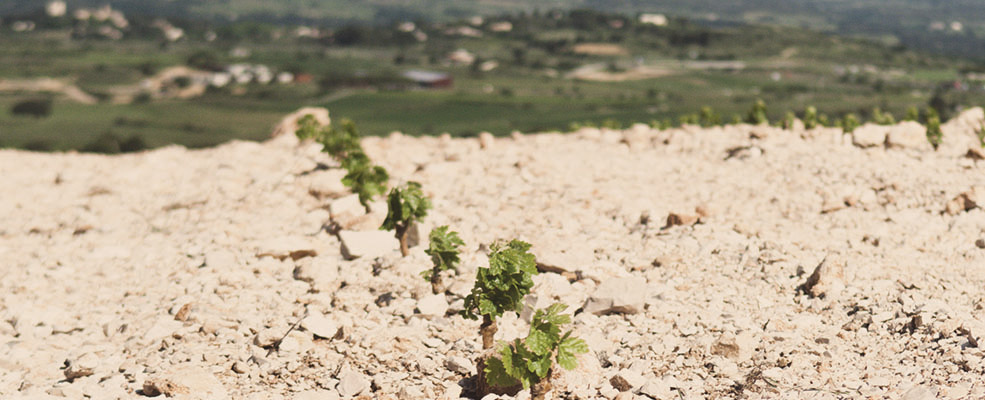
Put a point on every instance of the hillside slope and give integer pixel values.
(172, 268)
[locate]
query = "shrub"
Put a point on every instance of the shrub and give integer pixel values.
(406, 205)
(341, 143)
(757, 114)
(38, 145)
(107, 143)
(308, 128)
(709, 118)
(531, 361)
(934, 134)
(364, 178)
(110, 143)
(689, 119)
(882, 118)
(204, 59)
(501, 287)
(849, 124)
(38, 108)
(133, 143)
(142, 98)
(661, 124)
(823, 120)
(443, 248)
(183, 81)
(610, 123)
(788, 120)
(912, 114)
(810, 118)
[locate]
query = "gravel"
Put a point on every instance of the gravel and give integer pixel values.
(798, 266)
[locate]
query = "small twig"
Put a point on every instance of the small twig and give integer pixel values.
(276, 345)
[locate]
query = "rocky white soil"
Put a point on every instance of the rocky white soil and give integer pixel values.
(691, 258)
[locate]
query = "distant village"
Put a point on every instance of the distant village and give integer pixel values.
(107, 23)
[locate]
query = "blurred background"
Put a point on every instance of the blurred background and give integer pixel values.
(126, 75)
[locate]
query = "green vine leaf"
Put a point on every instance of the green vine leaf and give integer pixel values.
(502, 286)
(443, 248)
(406, 204)
(529, 361)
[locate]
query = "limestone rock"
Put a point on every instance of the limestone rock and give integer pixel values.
(326, 183)
(734, 347)
(410, 393)
(417, 234)
(164, 327)
(346, 208)
(289, 124)
(827, 280)
(486, 140)
(287, 247)
(556, 258)
(459, 365)
(320, 326)
(317, 394)
(240, 367)
(624, 396)
(186, 382)
(367, 244)
(657, 389)
(82, 366)
(870, 135)
(976, 153)
(267, 338)
(920, 393)
(618, 295)
(352, 384)
(321, 272)
(908, 135)
(627, 380)
(433, 305)
(675, 219)
(221, 260)
(744, 152)
(966, 201)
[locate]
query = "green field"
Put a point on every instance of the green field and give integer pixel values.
(789, 68)
(200, 123)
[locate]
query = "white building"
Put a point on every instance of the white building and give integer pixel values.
(102, 13)
(285, 77)
(653, 19)
(487, 66)
(467, 31)
(502, 26)
(56, 9)
(406, 27)
(118, 20)
(461, 57)
(307, 32)
(22, 26)
(220, 79)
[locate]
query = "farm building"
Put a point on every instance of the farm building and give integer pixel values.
(430, 79)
